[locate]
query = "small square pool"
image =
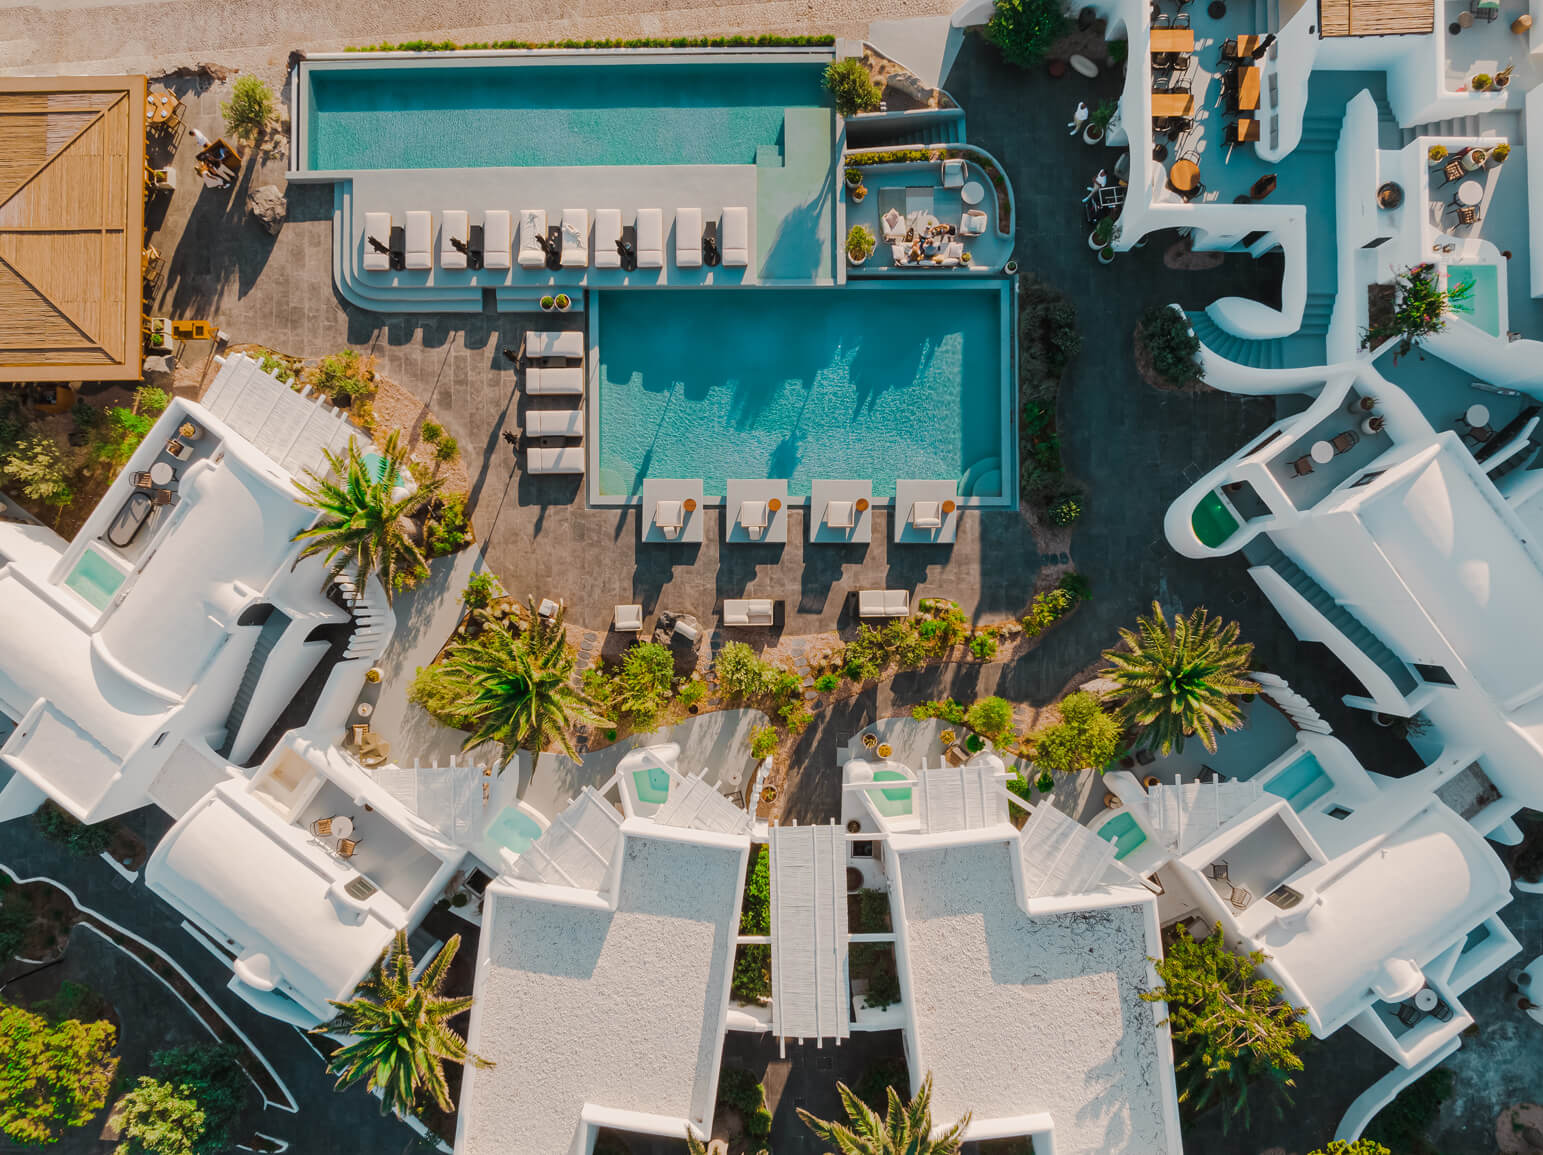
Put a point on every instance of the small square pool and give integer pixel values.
(95, 578)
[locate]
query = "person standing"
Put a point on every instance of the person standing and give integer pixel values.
(1079, 118)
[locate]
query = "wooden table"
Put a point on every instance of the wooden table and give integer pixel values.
(1184, 176)
(1248, 88)
(159, 107)
(1246, 46)
(1171, 40)
(1173, 104)
(1245, 129)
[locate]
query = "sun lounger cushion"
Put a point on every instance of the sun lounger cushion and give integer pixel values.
(575, 238)
(749, 612)
(927, 515)
(972, 223)
(883, 604)
(554, 423)
(607, 234)
(532, 225)
(688, 238)
(668, 517)
(555, 459)
(650, 239)
(130, 520)
(628, 619)
(953, 173)
(840, 514)
(495, 239)
(752, 517)
(567, 380)
(545, 343)
(420, 229)
(452, 227)
(735, 244)
(377, 225)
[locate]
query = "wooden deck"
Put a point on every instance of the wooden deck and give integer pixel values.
(1375, 17)
(72, 159)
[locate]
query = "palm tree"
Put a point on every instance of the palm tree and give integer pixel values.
(518, 688)
(906, 1128)
(1181, 680)
(403, 1036)
(361, 525)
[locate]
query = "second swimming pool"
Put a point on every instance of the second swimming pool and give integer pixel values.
(881, 382)
(1482, 308)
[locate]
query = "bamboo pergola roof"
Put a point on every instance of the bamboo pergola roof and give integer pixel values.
(72, 213)
(1375, 17)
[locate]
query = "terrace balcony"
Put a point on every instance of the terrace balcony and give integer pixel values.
(918, 196)
(1336, 449)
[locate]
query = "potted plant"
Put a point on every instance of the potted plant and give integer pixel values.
(1098, 122)
(1102, 234)
(1481, 82)
(373, 675)
(964, 259)
(1390, 195)
(859, 193)
(1373, 425)
(1363, 405)
(860, 244)
(1503, 77)
(1011, 268)
(563, 301)
(854, 176)
(870, 741)
(1045, 783)
(1498, 154)
(157, 340)
(1106, 255)
(187, 431)
(548, 303)
(1437, 153)
(1475, 158)
(885, 750)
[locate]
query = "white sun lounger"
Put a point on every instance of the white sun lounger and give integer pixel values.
(532, 225)
(650, 239)
(554, 422)
(453, 227)
(377, 225)
(754, 518)
(749, 612)
(607, 236)
(734, 244)
(564, 381)
(883, 604)
(669, 516)
(496, 239)
(547, 343)
(688, 238)
(927, 515)
(575, 238)
(419, 243)
(554, 459)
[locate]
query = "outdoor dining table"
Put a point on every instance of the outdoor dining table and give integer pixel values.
(1244, 46)
(1322, 452)
(1173, 104)
(1184, 175)
(1171, 40)
(1470, 192)
(1245, 129)
(1248, 88)
(159, 107)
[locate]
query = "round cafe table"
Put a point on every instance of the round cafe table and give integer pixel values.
(1470, 193)
(160, 473)
(972, 193)
(1425, 1000)
(1322, 452)
(1184, 176)
(342, 827)
(1477, 416)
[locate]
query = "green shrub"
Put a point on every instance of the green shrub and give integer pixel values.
(76, 837)
(692, 691)
(642, 687)
(1021, 787)
(1359, 1147)
(150, 400)
(974, 743)
(1065, 511)
(481, 589)
(250, 108)
(449, 529)
(872, 912)
(432, 431)
(1048, 337)
(1085, 736)
(872, 1088)
(1404, 1123)
(447, 450)
(739, 1090)
(894, 156)
(944, 627)
(866, 656)
(984, 645)
(160, 1119)
(992, 717)
(742, 674)
(763, 742)
(1025, 29)
(907, 648)
(755, 909)
(15, 922)
(860, 243)
(1077, 585)
(1170, 346)
(944, 708)
(752, 974)
(826, 683)
(851, 86)
(346, 374)
(796, 717)
(53, 1076)
(37, 467)
(1046, 609)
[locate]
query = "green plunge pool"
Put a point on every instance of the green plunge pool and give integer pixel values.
(1213, 520)
(652, 785)
(95, 578)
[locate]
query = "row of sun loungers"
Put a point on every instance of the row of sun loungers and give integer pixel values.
(548, 430)
(412, 247)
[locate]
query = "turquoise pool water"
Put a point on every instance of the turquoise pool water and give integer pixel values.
(894, 801)
(1124, 832)
(1301, 783)
(95, 578)
(652, 785)
(862, 381)
(1482, 308)
(470, 114)
(514, 829)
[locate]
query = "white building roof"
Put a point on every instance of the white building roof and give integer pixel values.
(1018, 1014)
(290, 428)
(449, 798)
(695, 804)
(1407, 895)
(257, 884)
(576, 850)
(1185, 815)
(964, 797)
(582, 1005)
(1060, 855)
(810, 980)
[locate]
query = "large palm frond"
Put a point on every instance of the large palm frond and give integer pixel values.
(402, 1036)
(1181, 680)
(359, 525)
(905, 1129)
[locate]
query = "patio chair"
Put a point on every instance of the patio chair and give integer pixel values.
(840, 514)
(1346, 441)
(627, 619)
(161, 498)
(142, 481)
(953, 174)
(1240, 898)
(565, 459)
(753, 518)
(893, 225)
(454, 239)
(1453, 170)
(1302, 466)
(1467, 214)
(972, 223)
(1219, 871)
(668, 517)
(1409, 1014)
(322, 828)
(347, 847)
(1162, 20)
(1181, 20)
(1485, 9)
(927, 514)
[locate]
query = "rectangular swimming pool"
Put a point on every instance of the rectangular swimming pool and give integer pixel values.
(495, 113)
(1482, 308)
(873, 381)
(95, 578)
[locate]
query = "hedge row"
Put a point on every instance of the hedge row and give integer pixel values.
(651, 42)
